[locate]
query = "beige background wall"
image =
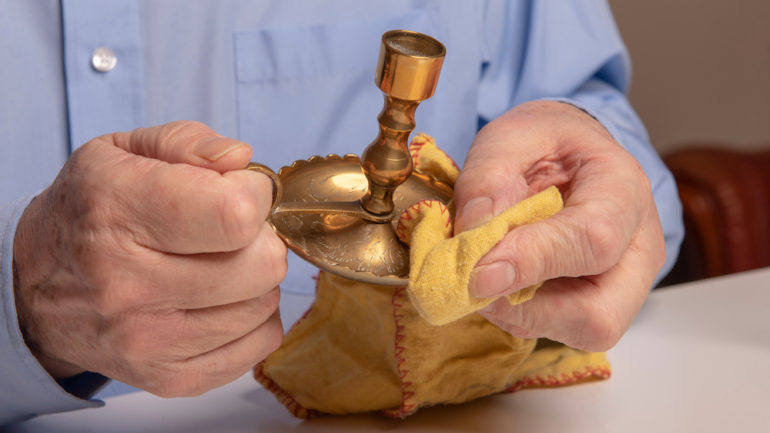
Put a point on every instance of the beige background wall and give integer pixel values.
(701, 69)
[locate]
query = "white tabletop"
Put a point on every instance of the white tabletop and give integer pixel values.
(697, 359)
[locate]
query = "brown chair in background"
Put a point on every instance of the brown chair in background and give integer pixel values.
(726, 205)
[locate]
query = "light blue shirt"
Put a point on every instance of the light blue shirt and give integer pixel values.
(292, 78)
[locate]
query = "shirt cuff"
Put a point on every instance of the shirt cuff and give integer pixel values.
(603, 120)
(26, 389)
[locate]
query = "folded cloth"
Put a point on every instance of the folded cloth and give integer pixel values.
(440, 265)
(363, 348)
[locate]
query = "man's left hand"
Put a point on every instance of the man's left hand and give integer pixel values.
(598, 256)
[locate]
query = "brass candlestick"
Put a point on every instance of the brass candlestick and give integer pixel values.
(407, 72)
(338, 212)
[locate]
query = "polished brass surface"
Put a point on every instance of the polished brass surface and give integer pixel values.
(347, 245)
(409, 65)
(407, 72)
(348, 208)
(338, 212)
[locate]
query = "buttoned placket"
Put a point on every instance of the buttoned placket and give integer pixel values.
(103, 66)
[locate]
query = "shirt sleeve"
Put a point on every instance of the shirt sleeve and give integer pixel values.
(26, 389)
(572, 52)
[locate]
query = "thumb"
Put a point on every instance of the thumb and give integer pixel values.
(492, 178)
(187, 142)
(484, 190)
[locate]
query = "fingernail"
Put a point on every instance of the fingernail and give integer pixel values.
(215, 148)
(491, 280)
(475, 213)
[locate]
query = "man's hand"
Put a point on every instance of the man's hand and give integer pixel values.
(148, 260)
(600, 254)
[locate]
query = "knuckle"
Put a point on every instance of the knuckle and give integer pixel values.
(262, 308)
(270, 301)
(600, 331)
(143, 337)
(174, 136)
(277, 257)
(603, 242)
(269, 260)
(182, 127)
(239, 218)
(482, 177)
(272, 339)
(538, 247)
(87, 155)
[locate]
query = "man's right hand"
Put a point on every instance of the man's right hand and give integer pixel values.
(148, 260)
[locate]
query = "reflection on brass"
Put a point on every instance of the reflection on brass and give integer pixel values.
(338, 212)
(347, 208)
(407, 72)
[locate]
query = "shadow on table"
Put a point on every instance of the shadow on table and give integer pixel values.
(486, 414)
(257, 410)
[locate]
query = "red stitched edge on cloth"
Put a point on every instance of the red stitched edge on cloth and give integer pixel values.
(414, 151)
(408, 407)
(281, 395)
(406, 215)
(588, 372)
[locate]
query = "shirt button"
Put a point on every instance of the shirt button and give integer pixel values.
(103, 59)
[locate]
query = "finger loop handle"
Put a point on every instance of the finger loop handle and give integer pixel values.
(277, 185)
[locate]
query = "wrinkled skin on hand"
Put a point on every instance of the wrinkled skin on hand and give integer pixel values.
(148, 260)
(600, 254)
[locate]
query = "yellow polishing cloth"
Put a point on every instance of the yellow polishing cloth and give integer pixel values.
(440, 265)
(364, 348)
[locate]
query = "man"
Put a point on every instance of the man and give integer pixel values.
(147, 259)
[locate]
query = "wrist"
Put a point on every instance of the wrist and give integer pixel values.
(569, 112)
(590, 114)
(30, 285)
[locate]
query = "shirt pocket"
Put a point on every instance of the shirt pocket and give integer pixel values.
(310, 90)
